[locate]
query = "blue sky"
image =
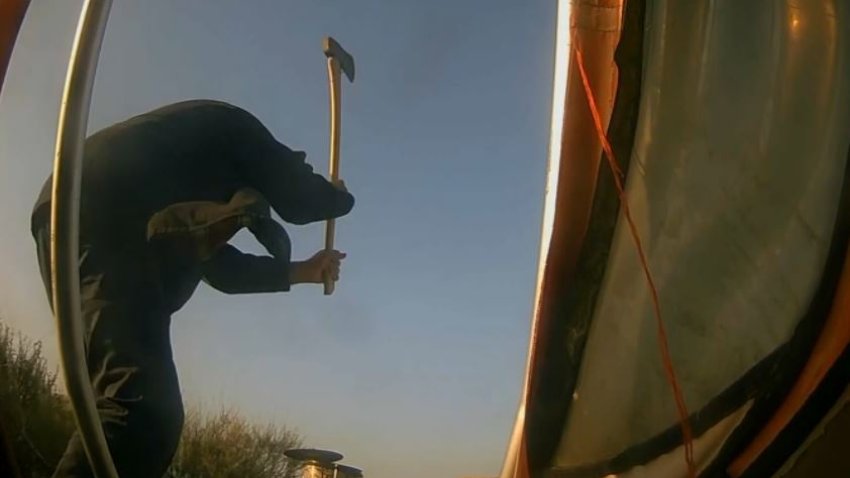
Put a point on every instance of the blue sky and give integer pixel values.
(413, 368)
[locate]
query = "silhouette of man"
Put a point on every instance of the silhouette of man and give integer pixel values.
(162, 194)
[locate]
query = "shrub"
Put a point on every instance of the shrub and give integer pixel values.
(226, 445)
(36, 416)
(39, 422)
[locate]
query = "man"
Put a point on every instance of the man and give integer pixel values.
(163, 193)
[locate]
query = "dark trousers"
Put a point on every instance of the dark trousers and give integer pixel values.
(129, 360)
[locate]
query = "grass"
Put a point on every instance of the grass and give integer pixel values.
(38, 420)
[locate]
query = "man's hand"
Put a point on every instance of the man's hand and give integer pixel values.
(313, 270)
(340, 184)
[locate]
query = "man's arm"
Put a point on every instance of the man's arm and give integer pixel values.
(232, 271)
(288, 182)
(307, 197)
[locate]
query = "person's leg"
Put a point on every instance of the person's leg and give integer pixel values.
(138, 396)
(133, 376)
(42, 243)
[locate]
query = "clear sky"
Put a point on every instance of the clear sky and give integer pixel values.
(414, 367)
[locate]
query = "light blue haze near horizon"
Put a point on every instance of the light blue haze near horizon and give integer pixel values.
(414, 366)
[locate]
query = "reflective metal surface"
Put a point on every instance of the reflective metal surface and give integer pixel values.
(315, 469)
(64, 241)
(343, 471)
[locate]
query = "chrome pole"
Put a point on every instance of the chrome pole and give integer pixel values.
(64, 238)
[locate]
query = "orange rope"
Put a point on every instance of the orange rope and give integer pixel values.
(662, 333)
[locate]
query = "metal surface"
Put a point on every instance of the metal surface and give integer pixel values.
(64, 240)
(315, 469)
(344, 471)
(312, 454)
(316, 463)
(333, 49)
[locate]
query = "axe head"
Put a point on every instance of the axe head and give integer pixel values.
(334, 50)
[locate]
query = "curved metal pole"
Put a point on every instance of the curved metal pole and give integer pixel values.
(64, 239)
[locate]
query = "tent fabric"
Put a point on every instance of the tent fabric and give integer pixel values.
(705, 449)
(568, 286)
(825, 451)
(737, 175)
(740, 167)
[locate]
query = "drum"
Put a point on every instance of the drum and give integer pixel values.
(315, 463)
(317, 469)
(343, 471)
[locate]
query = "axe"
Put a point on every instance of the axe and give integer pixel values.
(338, 60)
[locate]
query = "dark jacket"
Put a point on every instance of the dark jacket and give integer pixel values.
(192, 172)
(198, 150)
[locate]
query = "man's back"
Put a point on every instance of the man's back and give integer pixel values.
(188, 151)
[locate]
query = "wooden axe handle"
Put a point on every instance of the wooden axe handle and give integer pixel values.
(333, 168)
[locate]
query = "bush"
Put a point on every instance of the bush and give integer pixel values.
(35, 415)
(39, 422)
(226, 445)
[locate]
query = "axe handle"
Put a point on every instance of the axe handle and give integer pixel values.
(333, 168)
